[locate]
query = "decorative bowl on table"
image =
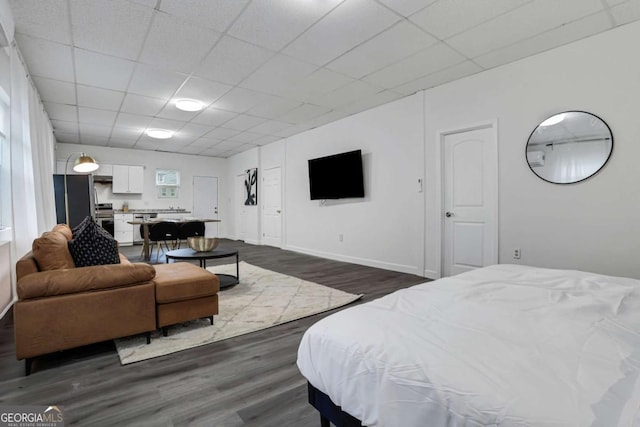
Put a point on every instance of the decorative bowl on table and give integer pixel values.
(202, 244)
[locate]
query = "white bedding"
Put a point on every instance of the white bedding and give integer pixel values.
(505, 345)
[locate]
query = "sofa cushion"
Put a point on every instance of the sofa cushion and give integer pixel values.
(183, 281)
(51, 251)
(83, 279)
(65, 230)
(93, 245)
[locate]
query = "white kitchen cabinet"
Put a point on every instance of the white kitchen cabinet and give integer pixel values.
(123, 231)
(128, 179)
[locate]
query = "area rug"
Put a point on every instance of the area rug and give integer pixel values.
(262, 299)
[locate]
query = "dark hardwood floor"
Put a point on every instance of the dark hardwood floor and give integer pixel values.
(251, 380)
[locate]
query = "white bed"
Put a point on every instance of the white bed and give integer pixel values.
(504, 345)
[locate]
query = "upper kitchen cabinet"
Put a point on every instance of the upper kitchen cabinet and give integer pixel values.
(128, 179)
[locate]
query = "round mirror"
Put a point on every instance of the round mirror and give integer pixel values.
(569, 147)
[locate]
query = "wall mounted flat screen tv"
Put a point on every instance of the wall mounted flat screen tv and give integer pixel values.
(336, 177)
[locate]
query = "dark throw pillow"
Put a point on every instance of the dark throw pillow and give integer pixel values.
(93, 245)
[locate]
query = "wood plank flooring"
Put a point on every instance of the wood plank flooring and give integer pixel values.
(251, 380)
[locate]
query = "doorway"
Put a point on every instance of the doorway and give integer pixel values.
(272, 207)
(205, 202)
(469, 199)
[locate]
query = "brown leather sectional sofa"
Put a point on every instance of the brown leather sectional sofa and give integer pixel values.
(61, 307)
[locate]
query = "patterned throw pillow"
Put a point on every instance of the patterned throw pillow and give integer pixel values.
(93, 245)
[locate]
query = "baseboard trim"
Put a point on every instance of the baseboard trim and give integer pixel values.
(431, 274)
(251, 241)
(402, 268)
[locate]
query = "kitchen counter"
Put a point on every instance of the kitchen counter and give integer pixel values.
(151, 211)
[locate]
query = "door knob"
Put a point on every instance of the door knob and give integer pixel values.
(278, 211)
(448, 214)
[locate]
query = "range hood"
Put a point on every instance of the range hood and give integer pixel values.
(103, 178)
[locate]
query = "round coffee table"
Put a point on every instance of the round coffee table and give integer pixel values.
(226, 280)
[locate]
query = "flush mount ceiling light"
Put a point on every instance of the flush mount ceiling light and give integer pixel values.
(159, 133)
(553, 120)
(189, 105)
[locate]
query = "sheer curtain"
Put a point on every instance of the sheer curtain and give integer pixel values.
(32, 159)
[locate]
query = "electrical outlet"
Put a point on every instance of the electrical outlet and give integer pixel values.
(516, 253)
(340, 237)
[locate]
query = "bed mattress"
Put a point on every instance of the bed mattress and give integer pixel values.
(504, 345)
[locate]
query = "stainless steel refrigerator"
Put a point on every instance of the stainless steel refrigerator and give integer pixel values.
(81, 198)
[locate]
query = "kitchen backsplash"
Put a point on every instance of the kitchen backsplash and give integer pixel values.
(135, 201)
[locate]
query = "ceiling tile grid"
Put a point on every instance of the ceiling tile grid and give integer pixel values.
(268, 69)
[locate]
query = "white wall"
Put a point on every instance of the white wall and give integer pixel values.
(188, 165)
(385, 229)
(237, 165)
(590, 225)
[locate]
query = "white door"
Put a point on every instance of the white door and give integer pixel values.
(272, 207)
(205, 202)
(470, 196)
(240, 210)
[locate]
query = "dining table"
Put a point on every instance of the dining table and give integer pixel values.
(147, 222)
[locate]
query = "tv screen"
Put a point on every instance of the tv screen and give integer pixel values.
(336, 177)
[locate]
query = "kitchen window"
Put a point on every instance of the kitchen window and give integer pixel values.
(167, 177)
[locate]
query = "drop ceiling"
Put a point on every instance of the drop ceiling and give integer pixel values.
(268, 69)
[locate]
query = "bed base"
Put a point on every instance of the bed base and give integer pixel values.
(329, 411)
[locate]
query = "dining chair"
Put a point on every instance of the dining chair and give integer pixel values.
(162, 232)
(190, 229)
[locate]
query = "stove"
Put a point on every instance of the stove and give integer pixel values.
(104, 216)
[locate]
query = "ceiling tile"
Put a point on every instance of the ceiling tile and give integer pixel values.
(67, 138)
(114, 27)
(278, 73)
(348, 25)
(163, 49)
(245, 137)
(195, 129)
(240, 100)
(203, 90)
(221, 133)
(228, 145)
(428, 61)
(455, 72)
(407, 7)
(135, 121)
(243, 122)
(304, 112)
(89, 96)
(205, 143)
(47, 59)
(121, 143)
(48, 20)
(347, 94)
(565, 34)
(152, 81)
(145, 105)
(216, 14)
(331, 116)
(172, 125)
(214, 117)
(55, 90)
(396, 43)
(270, 127)
(214, 151)
(96, 117)
(527, 21)
(65, 127)
(88, 131)
(170, 111)
(626, 12)
(191, 150)
(267, 139)
(445, 19)
(273, 107)
(256, 24)
(372, 101)
(67, 113)
(615, 2)
(96, 69)
(320, 82)
(232, 60)
(126, 133)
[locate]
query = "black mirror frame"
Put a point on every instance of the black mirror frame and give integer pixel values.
(585, 178)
